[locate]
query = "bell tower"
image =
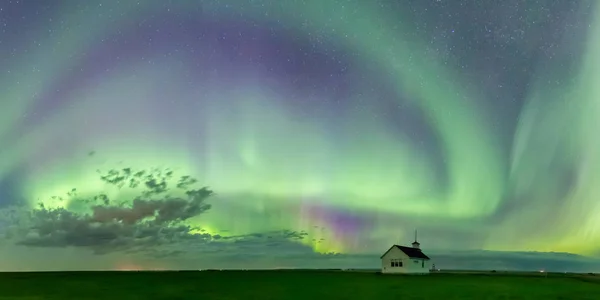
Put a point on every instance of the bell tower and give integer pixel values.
(416, 244)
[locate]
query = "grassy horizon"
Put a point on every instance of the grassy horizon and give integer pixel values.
(290, 284)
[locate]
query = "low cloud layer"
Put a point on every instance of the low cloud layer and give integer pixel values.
(153, 224)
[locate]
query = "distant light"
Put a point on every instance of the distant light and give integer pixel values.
(542, 271)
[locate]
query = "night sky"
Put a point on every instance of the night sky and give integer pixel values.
(299, 133)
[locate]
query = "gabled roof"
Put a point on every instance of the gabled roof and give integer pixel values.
(410, 251)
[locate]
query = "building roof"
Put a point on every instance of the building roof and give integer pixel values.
(410, 251)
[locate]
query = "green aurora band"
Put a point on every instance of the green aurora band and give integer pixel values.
(557, 133)
(377, 172)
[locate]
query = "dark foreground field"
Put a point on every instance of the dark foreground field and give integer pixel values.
(312, 285)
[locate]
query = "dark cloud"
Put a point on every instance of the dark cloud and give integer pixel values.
(147, 226)
(161, 211)
(109, 226)
(152, 224)
(111, 229)
(271, 245)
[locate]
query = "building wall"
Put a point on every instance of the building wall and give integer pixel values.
(409, 265)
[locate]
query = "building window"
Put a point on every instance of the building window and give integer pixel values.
(422, 264)
(396, 263)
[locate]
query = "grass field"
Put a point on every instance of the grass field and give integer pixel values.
(294, 285)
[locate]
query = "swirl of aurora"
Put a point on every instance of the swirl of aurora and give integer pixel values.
(293, 128)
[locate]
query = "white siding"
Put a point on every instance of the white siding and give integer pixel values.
(409, 265)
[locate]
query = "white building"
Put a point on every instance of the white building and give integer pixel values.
(405, 260)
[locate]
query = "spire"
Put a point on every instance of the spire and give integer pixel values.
(416, 244)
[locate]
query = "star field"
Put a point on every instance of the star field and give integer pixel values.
(215, 133)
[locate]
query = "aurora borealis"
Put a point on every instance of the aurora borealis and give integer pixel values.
(325, 128)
